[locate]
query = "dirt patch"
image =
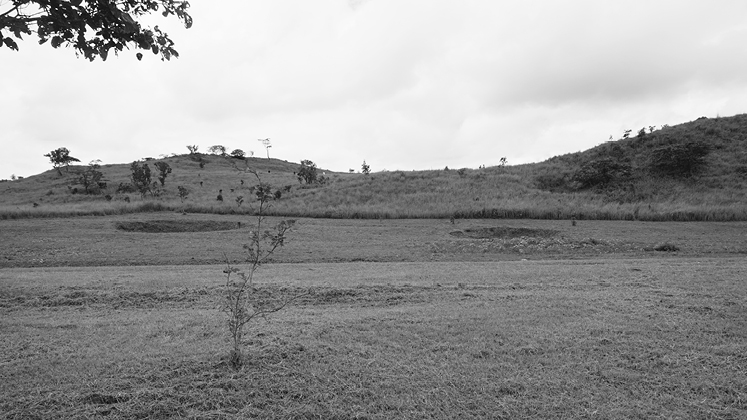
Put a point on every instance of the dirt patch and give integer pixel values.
(167, 226)
(503, 232)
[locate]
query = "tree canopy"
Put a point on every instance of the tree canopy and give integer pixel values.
(92, 27)
(60, 157)
(307, 172)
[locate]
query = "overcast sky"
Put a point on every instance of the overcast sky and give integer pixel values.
(403, 84)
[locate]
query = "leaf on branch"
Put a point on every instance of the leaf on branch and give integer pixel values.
(10, 44)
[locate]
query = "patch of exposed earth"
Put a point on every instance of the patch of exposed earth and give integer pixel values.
(504, 239)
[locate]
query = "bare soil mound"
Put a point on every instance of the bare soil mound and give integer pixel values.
(503, 232)
(166, 226)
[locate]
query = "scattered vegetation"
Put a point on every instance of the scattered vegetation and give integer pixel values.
(635, 178)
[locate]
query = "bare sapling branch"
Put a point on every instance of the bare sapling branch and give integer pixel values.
(243, 301)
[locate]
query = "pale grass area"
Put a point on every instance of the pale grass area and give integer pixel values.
(633, 338)
(675, 271)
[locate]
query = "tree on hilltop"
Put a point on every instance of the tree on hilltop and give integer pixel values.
(266, 144)
(217, 150)
(91, 28)
(163, 171)
(59, 158)
(307, 172)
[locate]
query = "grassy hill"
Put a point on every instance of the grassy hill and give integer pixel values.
(691, 171)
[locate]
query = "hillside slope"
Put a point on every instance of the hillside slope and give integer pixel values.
(677, 163)
(692, 171)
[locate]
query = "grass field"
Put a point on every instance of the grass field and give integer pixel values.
(85, 241)
(406, 319)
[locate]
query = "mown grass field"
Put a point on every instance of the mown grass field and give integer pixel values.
(406, 319)
(95, 240)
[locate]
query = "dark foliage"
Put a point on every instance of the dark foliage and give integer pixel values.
(217, 150)
(183, 193)
(601, 172)
(307, 172)
(679, 160)
(126, 188)
(91, 177)
(91, 28)
(60, 157)
(163, 171)
(141, 177)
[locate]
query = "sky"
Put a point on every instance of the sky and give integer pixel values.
(401, 84)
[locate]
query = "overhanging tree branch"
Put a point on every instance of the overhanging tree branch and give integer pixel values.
(94, 27)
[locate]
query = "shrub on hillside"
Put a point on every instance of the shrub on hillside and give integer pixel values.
(680, 160)
(183, 193)
(601, 172)
(91, 177)
(126, 188)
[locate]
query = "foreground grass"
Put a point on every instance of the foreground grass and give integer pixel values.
(605, 339)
